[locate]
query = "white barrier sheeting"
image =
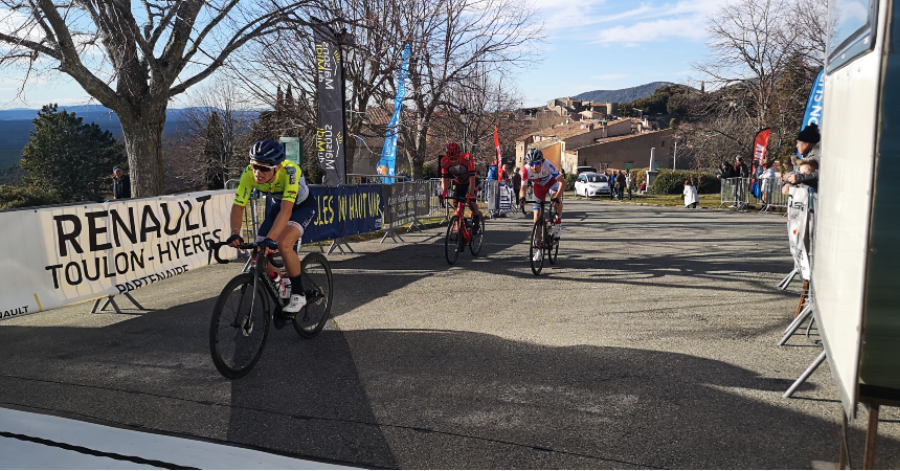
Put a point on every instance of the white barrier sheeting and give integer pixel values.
(48, 442)
(66, 254)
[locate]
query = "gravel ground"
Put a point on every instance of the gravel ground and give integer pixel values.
(651, 344)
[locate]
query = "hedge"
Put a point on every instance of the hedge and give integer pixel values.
(671, 182)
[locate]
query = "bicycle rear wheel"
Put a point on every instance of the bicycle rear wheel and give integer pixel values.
(536, 254)
(452, 242)
(318, 286)
(477, 239)
(239, 327)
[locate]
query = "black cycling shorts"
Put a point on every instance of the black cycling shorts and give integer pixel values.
(461, 190)
(301, 217)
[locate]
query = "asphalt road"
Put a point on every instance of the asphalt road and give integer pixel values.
(651, 344)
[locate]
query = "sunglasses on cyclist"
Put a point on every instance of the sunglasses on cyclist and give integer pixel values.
(536, 163)
(263, 168)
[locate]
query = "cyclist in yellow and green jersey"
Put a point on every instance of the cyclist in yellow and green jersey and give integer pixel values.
(290, 212)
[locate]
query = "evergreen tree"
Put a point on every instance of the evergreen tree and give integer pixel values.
(72, 159)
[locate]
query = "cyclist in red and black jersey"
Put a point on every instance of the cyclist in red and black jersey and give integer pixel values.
(461, 168)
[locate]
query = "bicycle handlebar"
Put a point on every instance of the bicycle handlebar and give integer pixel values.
(215, 246)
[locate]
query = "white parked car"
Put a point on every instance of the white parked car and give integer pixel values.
(591, 184)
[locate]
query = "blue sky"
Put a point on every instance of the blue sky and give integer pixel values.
(614, 44)
(590, 45)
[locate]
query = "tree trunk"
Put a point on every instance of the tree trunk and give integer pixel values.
(143, 143)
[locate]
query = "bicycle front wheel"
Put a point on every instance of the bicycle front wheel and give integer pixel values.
(452, 242)
(318, 286)
(477, 238)
(552, 244)
(536, 253)
(239, 327)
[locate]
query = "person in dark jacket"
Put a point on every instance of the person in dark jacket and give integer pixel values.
(808, 147)
(121, 184)
(620, 185)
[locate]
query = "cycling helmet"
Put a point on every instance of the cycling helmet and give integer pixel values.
(534, 155)
(267, 151)
(453, 150)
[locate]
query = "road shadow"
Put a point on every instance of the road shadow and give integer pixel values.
(421, 399)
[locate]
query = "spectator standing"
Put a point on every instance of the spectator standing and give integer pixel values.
(807, 167)
(629, 182)
(121, 184)
(690, 195)
(766, 181)
(808, 146)
(516, 181)
(621, 183)
(741, 171)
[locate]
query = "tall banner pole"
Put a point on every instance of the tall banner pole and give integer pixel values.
(330, 132)
(387, 165)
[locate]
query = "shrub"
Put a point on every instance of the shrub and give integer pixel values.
(670, 182)
(570, 181)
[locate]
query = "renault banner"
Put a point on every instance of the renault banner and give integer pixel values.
(65, 254)
(329, 91)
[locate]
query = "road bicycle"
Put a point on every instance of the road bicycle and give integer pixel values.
(544, 231)
(461, 232)
(251, 301)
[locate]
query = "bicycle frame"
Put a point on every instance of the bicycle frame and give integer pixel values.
(460, 216)
(262, 275)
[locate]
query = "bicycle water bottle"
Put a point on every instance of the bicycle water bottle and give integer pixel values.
(285, 291)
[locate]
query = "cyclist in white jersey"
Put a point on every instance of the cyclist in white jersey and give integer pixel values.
(545, 179)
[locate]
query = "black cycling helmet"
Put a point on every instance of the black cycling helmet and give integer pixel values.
(267, 151)
(534, 155)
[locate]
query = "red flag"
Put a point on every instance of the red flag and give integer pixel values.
(497, 145)
(760, 144)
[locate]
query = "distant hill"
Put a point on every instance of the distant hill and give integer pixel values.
(15, 124)
(625, 95)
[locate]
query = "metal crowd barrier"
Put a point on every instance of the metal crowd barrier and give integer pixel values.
(736, 194)
(734, 191)
(771, 193)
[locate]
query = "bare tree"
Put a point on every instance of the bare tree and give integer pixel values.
(135, 59)
(471, 108)
(369, 65)
(451, 41)
(751, 44)
(219, 119)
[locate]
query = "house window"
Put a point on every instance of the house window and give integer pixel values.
(663, 143)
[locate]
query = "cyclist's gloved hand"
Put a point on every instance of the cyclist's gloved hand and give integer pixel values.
(269, 244)
(555, 200)
(444, 195)
(521, 201)
(472, 198)
(234, 241)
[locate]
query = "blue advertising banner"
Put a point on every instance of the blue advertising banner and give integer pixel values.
(387, 166)
(815, 103)
(344, 211)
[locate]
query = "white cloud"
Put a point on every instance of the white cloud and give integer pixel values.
(650, 20)
(649, 31)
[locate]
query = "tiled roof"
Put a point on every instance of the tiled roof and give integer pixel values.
(619, 138)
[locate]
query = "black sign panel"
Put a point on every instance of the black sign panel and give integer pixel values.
(329, 89)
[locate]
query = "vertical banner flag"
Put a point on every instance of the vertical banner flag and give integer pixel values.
(497, 145)
(329, 90)
(760, 144)
(388, 163)
(815, 104)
